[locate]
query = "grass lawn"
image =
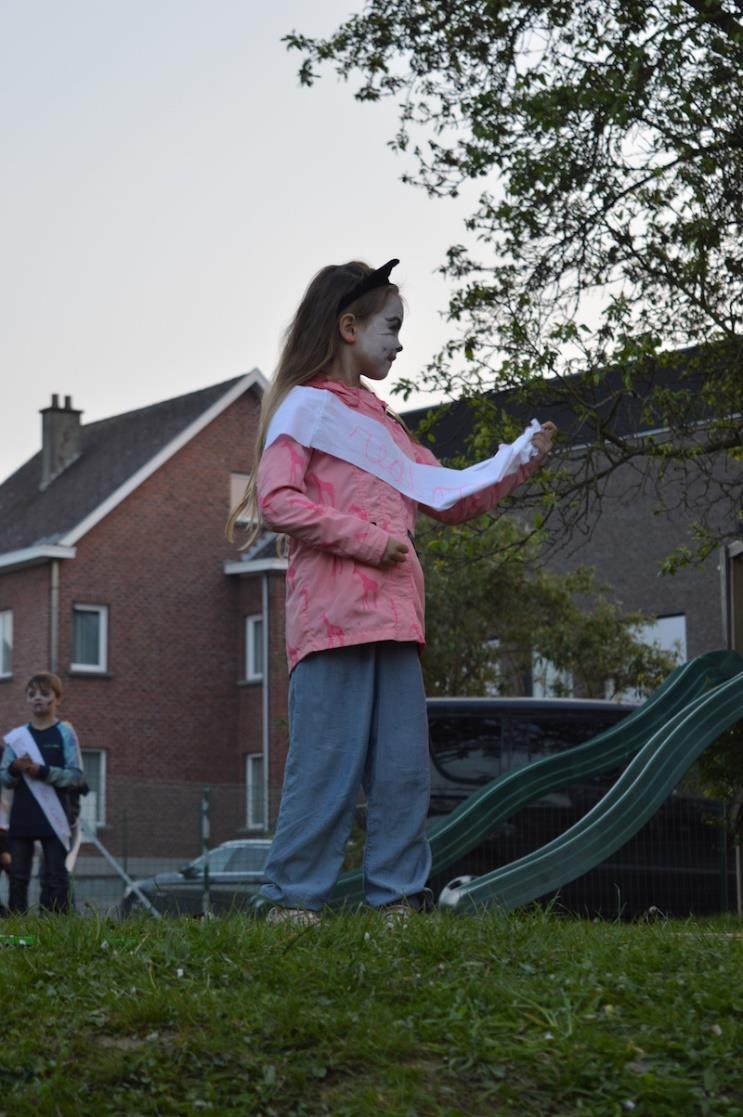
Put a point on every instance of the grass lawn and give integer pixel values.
(524, 1015)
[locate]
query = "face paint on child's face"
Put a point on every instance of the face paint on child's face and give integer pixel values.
(42, 702)
(378, 340)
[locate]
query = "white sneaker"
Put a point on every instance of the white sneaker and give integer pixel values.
(297, 917)
(394, 914)
(400, 911)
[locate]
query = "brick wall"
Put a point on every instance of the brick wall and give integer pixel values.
(627, 545)
(169, 708)
(26, 592)
(251, 697)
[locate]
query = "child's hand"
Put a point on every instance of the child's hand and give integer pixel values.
(394, 552)
(544, 438)
(20, 765)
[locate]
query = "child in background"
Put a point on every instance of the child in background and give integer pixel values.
(5, 800)
(40, 761)
(355, 602)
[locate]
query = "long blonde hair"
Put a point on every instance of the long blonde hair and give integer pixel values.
(310, 344)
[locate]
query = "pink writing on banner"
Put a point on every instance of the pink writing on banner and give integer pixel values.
(389, 461)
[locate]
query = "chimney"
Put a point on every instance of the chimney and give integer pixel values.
(60, 438)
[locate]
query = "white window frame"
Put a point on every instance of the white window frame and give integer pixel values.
(252, 823)
(100, 793)
(238, 483)
(102, 664)
(252, 674)
(6, 631)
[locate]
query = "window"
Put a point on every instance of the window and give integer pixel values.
(238, 481)
(93, 805)
(547, 681)
(89, 638)
(668, 633)
(256, 814)
(254, 648)
(6, 642)
(466, 749)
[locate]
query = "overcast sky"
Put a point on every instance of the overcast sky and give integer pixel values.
(168, 190)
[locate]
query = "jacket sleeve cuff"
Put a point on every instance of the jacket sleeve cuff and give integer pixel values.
(374, 545)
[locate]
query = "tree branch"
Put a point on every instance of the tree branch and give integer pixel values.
(712, 12)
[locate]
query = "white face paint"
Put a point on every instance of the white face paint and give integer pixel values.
(378, 340)
(43, 703)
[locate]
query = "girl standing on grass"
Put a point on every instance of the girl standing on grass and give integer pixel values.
(342, 477)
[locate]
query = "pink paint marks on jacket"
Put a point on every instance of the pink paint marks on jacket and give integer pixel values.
(298, 462)
(301, 502)
(337, 565)
(370, 588)
(334, 632)
(325, 489)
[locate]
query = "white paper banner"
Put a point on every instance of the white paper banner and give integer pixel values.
(21, 741)
(318, 420)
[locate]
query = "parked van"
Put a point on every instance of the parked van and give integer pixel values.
(679, 863)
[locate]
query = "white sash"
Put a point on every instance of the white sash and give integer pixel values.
(21, 741)
(317, 419)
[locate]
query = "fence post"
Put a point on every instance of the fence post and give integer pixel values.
(125, 839)
(205, 898)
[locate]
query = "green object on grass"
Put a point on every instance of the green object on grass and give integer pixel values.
(467, 826)
(17, 940)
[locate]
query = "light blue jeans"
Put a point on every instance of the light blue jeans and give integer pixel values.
(357, 718)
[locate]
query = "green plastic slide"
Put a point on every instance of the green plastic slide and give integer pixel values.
(638, 793)
(467, 826)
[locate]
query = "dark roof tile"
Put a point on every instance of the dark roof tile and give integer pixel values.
(112, 450)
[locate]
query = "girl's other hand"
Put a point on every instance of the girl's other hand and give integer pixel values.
(544, 438)
(394, 552)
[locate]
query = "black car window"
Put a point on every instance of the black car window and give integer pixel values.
(466, 749)
(472, 748)
(538, 735)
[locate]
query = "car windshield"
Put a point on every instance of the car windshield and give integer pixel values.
(247, 859)
(233, 859)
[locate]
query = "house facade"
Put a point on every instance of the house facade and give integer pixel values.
(115, 573)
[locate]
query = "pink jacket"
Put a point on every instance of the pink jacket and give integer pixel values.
(339, 519)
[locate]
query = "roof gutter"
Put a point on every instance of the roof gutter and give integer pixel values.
(34, 556)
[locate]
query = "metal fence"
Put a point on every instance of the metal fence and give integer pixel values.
(682, 862)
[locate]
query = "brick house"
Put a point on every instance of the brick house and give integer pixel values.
(115, 573)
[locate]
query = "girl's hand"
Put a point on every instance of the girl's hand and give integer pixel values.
(394, 552)
(544, 438)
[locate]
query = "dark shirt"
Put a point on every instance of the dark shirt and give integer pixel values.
(27, 820)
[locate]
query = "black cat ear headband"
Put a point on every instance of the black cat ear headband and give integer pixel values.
(378, 278)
